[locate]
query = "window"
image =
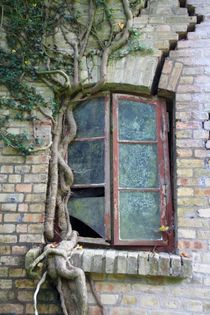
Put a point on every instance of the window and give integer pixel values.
(121, 189)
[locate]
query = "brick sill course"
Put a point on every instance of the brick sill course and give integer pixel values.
(111, 261)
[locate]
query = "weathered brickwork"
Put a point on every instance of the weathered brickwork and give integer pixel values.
(23, 183)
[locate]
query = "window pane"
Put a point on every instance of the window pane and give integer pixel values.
(89, 117)
(87, 161)
(90, 211)
(137, 121)
(139, 216)
(138, 166)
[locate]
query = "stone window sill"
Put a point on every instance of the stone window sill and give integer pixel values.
(112, 261)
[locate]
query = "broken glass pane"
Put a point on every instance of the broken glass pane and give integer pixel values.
(137, 121)
(138, 166)
(87, 161)
(139, 216)
(90, 211)
(89, 117)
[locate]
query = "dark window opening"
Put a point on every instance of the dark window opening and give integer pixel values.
(83, 229)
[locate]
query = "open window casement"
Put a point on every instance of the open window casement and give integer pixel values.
(120, 161)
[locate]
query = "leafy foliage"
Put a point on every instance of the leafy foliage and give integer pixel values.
(24, 25)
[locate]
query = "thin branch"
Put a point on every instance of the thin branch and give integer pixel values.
(49, 84)
(41, 281)
(2, 16)
(46, 115)
(41, 148)
(95, 294)
(48, 251)
(91, 18)
(61, 72)
(74, 45)
(116, 44)
(76, 63)
(60, 291)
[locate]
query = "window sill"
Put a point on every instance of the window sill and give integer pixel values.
(111, 261)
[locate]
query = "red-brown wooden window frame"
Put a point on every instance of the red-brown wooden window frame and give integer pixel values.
(163, 167)
(111, 216)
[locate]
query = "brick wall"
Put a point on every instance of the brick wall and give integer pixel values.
(23, 187)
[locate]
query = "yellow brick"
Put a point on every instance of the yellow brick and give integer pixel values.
(189, 163)
(185, 172)
(188, 181)
(193, 223)
(186, 233)
(14, 178)
(192, 202)
(11, 308)
(185, 211)
(25, 284)
(5, 284)
(25, 296)
(8, 187)
(109, 299)
(11, 159)
(35, 197)
(43, 308)
(17, 272)
(129, 299)
(185, 191)
(39, 188)
(198, 172)
(184, 153)
(8, 239)
(182, 134)
(37, 207)
(7, 169)
(186, 80)
(9, 151)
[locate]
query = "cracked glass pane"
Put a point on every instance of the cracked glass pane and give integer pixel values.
(89, 210)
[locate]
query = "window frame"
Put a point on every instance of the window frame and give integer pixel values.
(107, 180)
(163, 167)
(111, 162)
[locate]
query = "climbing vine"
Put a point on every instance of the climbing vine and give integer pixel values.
(50, 41)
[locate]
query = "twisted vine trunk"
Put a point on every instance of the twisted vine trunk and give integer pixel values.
(69, 280)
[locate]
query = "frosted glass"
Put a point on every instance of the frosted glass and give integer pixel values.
(139, 216)
(137, 121)
(138, 166)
